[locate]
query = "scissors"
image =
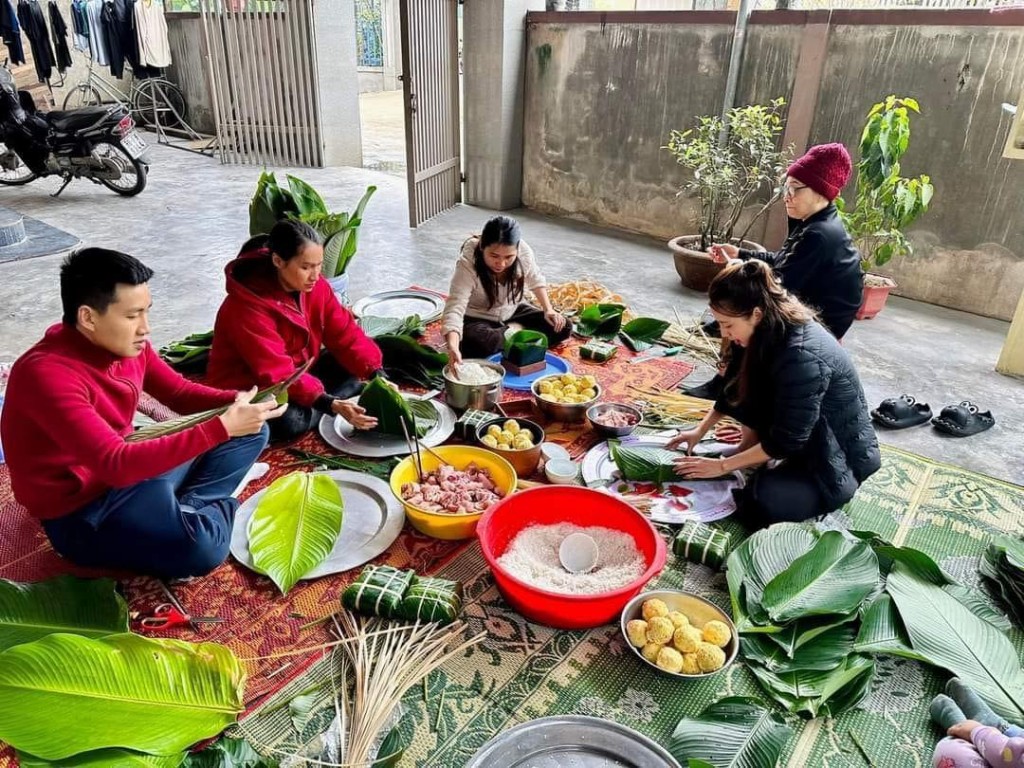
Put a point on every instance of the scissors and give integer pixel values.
(167, 616)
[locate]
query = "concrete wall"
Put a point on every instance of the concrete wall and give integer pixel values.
(188, 69)
(604, 90)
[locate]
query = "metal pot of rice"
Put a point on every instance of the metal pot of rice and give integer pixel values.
(476, 385)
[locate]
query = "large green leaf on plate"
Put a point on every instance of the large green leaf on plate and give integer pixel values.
(104, 758)
(89, 607)
(295, 526)
(825, 652)
(949, 635)
(646, 464)
(757, 561)
(731, 733)
(65, 694)
(833, 577)
(391, 409)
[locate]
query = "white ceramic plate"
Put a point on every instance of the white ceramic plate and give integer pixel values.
(703, 500)
(374, 445)
(372, 520)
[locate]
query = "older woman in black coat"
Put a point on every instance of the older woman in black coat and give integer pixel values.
(807, 429)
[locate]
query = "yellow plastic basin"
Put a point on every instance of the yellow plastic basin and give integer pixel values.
(451, 527)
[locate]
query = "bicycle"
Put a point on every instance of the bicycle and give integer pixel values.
(153, 100)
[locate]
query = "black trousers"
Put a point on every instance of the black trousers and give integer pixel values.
(482, 338)
(299, 419)
(781, 495)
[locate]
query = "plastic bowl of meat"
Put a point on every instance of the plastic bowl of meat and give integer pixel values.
(514, 540)
(455, 491)
(613, 419)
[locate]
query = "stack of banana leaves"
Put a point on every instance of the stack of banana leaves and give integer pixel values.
(812, 608)
(189, 355)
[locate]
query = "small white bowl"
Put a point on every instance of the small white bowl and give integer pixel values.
(561, 471)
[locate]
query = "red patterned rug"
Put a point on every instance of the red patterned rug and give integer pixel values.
(260, 625)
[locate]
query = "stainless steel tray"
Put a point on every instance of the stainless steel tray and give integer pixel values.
(571, 741)
(428, 306)
(370, 444)
(372, 520)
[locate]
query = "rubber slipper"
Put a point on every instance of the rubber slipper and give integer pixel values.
(901, 412)
(963, 420)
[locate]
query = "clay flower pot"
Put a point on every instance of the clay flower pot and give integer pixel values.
(695, 268)
(876, 293)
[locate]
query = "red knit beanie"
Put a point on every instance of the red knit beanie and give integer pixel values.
(825, 169)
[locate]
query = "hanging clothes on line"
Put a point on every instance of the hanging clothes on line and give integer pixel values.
(59, 30)
(10, 30)
(97, 40)
(33, 23)
(119, 27)
(154, 47)
(80, 23)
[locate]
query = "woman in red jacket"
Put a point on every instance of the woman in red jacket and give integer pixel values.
(279, 314)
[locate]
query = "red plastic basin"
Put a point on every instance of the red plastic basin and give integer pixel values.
(549, 505)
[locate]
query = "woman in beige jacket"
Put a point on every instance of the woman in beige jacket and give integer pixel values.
(486, 296)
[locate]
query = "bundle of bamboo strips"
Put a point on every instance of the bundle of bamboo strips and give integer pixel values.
(670, 407)
(692, 337)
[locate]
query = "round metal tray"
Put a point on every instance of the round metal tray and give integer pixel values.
(427, 305)
(571, 740)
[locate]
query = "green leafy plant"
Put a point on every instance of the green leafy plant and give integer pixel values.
(87, 607)
(600, 321)
(735, 732)
(65, 695)
(271, 203)
(887, 202)
(727, 176)
(295, 526)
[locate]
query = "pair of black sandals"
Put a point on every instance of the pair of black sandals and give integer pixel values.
(961, 420)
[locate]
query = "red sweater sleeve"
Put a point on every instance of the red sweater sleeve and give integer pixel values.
(92, 442)
(175, 391)
(346, 340)
(259, 343)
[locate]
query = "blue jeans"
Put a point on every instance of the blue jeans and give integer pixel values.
(173, 526)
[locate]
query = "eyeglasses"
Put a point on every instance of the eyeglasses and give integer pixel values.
(788, 190)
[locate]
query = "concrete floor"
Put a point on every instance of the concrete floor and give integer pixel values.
(382, 125)
(193, 217)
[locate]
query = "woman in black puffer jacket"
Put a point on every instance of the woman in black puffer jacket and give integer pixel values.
(793, 387)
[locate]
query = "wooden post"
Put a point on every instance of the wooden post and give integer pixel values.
(1011, 361)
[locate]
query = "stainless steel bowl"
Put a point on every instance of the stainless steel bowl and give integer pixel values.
(596, 411)
(480, 397)
(698, 610)
(570, 412)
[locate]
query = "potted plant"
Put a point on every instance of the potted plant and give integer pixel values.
(271, 203)
(886, 202)
(727, 174)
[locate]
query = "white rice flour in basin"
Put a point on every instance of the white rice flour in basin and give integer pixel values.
(532, 557)
(475, 374)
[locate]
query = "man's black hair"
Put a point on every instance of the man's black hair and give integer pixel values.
(90, 276)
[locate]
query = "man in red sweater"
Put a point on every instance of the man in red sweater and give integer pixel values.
(163, 507)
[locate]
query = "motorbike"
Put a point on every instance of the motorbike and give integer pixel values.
(98, 143)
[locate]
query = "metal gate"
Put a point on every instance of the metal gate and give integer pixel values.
(263, 79)
(430, 82)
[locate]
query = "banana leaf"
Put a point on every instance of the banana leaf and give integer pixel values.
(644, 464)
(278, 392)
(835, 576)
(189, 354)
(333, 246)
(731, 733)
(104, 758)
(307, 200)
(795, 635)
(826, 652)
(812, 693)
(754, 563)
(950, 636)
(229, 753)
(882, 631)
(600, 321)
(1002, 567)
(914, 560)
(378, 590)
(87, 607)
(351, 243)
(393, 412)
(408, 361)
(374, 326)
(65, 694)
(702, 543)
(525, 347)
(295, 526)
(300, 708)
(640, 333)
